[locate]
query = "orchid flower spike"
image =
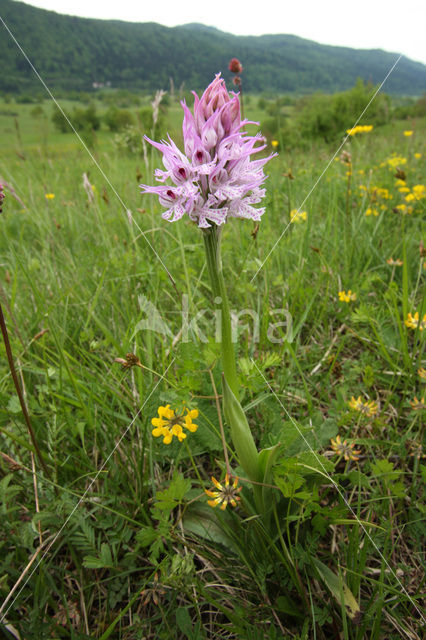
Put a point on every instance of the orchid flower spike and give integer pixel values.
(215, 179)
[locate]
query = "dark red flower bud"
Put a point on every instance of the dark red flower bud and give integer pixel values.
(235, 66)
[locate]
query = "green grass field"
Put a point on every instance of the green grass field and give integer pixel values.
(115, 538)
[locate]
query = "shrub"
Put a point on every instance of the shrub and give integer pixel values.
(82, 119)
(118, 119)
(37, 112)
(129, 140)
(86, 118)
(147, 123)
(60, 121)
(328, 117)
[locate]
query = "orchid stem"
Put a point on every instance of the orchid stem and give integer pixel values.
(212, 243)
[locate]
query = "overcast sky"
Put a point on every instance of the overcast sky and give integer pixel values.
(393, 25)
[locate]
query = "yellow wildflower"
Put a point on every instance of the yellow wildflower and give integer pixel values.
(418, 405)
(49, 196)
(368, 408)
(407, 134)
(394, 263)
(417, 155)
(168, 424)
(224, 494)
(394, 161)
(402, 208)
(404, 189)
(371, 211)
(382, 192)
(347, 297)
(274, 144)
(422, 373)
(343, 448)
(414, 322)
(366, 128)
(298, 216)
(419, 191)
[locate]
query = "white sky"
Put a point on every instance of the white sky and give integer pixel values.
(393, 25)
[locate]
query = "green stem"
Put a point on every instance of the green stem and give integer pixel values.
(240, 432)
(212, 243)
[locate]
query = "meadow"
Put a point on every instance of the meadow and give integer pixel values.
(106, 531)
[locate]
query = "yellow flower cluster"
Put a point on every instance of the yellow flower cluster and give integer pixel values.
(369, 408)
(400, 182)
(49, 196)
(417, 193)
(168, 424)
(343, 448)
(381, 192)
(395, 263)
(224, 494)
(298, 216)
(361, 128)
(347, 297)
(422, 373)
(414, 322)
(371, 211)
(395, 161)
(403, 208)
(407, 134)
(375, 194)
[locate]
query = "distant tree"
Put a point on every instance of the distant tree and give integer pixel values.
(117, 119)
(86, 119)
(37, 112)
(60, 121)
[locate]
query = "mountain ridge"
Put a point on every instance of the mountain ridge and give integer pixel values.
(73, 53)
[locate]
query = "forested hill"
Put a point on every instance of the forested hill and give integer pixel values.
(74, 53)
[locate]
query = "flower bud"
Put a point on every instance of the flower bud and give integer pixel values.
(235, 66)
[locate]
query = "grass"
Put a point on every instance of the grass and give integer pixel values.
(139, 553)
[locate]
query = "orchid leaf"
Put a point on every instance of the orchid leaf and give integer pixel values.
(339, 590)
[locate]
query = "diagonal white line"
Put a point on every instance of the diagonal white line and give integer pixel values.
(336, 486)
(101, 468)
(87, 149)
(327, 166)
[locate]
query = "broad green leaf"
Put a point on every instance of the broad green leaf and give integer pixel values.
(183, 621)
(241, 435)
(203, 521)
(339, 589)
